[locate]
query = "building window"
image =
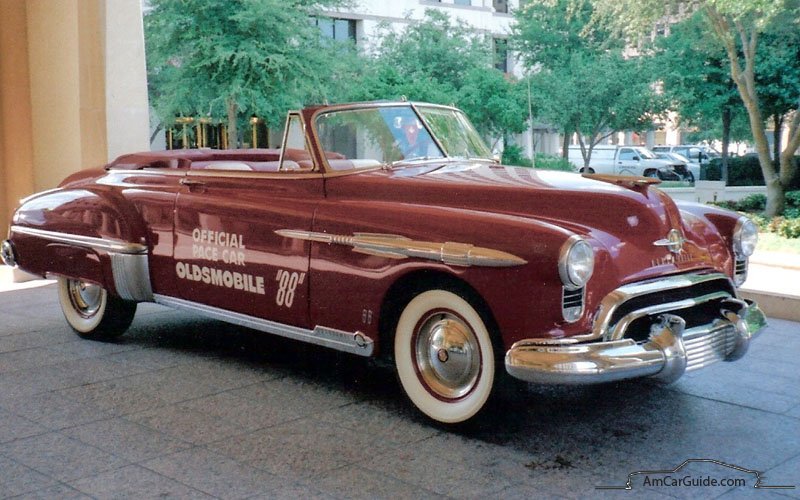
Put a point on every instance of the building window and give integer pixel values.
(463, 2)
(501, 54)
(340, 30)
(500, 6)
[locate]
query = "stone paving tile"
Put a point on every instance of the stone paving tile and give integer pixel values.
(785, 474)
(293, 492)
(149, 359)
(182, 422)
(173, 384)
(16, 479)
(60, 491)
(16, 324)
(16, 427)
(60, 457)
(266, 451)
(393, 427)
(55, 411)
(296, 394)
(125, 439)
(28, 359)
(356, 482)
(794, 412)
(81, 348)
(719, 389)
(135, 482)
(26, 340)
(245, 413)
(439, 476)
(214, 474)
(114, 399)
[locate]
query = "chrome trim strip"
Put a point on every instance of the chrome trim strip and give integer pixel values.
(132, 276)
(354, 343)
(399, 247)
(83, 241)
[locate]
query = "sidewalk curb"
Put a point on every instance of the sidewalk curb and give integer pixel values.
(775, 305)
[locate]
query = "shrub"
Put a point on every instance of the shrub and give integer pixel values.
(742, 171)
(793, 199)
(512, 155)
(789, 228)
(753, 203)
(550, 162)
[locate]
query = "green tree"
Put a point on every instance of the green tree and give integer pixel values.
(581, 81)
(442, 61)
(738, 26)
(234, 58)
(695, 79)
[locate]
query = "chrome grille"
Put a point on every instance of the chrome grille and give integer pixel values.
(705, 347)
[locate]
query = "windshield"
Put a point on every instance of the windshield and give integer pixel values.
(646, 153)
(456, 134)
(371, 137)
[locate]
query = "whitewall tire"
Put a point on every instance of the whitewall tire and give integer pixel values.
(91, 311)
(444, 356)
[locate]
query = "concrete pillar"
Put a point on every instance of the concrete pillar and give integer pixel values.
(16, 141)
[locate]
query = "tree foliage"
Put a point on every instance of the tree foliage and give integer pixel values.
(440, 60)
(580, 79)
(739, 27)
(233, 58)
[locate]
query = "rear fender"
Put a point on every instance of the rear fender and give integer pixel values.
(90, 233)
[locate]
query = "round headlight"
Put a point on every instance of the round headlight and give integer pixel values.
(745, 237)
(576, 262)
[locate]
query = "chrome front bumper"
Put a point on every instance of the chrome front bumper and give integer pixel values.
(670, 350)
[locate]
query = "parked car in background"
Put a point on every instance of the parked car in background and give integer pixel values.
(387, 229)
(697, 153)
(624, 160)
(688, 170)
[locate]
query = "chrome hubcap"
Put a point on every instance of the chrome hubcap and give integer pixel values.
(448, 355)
(85, 297)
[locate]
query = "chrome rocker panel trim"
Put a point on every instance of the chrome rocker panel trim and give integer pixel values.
(353, 343)
(669, 352)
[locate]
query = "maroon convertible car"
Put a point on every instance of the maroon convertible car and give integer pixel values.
(387, 229)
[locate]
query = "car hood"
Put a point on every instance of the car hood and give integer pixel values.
(625, 221)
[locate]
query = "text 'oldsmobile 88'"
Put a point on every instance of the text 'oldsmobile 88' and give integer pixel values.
(386, 229)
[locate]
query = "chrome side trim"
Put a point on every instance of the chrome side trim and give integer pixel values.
(399, 247)
(354, 343)
(132, 276)
(83, 241)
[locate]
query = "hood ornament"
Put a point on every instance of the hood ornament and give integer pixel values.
(674, 241)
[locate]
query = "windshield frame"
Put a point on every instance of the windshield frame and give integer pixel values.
(316, 143)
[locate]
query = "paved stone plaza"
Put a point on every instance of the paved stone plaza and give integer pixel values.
(192, 408)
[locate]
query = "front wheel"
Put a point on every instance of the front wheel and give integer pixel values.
(92, 312)
(444, 356)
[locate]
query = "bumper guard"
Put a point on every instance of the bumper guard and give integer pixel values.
(670, 350)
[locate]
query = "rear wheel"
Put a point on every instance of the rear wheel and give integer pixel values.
(92, 312)
(444, 356)
(587, 170)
